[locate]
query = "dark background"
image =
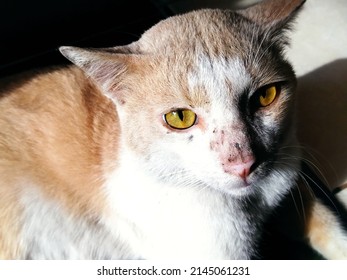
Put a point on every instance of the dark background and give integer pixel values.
(32, 30)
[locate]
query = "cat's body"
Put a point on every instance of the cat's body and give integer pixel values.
(175, 148)
(59, 190)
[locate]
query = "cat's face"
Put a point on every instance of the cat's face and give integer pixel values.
(215, 116)
(206, 100)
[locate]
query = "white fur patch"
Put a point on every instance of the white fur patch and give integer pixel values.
(342, 197)
(214, 74)
(165, 221)
(50, 232)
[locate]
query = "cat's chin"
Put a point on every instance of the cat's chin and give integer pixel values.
(239, 192)
(237, 187)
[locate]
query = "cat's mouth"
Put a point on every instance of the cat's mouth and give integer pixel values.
(236, 186)
(240, 189)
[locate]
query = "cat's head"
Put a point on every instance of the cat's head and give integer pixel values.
(205, 98)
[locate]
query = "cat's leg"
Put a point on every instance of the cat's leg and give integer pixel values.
(325, 217)
(325, 232)
(341, 194)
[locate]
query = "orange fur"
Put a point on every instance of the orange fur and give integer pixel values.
(324, 233)
(63, 144)
(318, 225)
(305, 218)
(67, 157)
(10, 248)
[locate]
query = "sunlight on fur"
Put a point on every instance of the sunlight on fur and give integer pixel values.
(180, 145)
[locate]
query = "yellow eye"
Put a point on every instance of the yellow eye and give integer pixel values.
(180, 119)
(268, 96)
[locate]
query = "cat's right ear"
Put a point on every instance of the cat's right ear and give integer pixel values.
(107, 67)
(274, 17)
(273, 12)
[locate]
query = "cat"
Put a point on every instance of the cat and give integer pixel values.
(172, 147)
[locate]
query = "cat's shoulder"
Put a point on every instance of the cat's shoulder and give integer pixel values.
(42, 78)
(64, 86)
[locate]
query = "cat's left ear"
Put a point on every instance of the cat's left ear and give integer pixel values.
(107, 67)
(273, 15)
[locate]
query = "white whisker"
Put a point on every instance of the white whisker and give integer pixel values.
(304, 177)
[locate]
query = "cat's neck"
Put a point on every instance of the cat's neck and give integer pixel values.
(151, 212)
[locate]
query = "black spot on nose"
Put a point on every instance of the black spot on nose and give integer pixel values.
(237, 146)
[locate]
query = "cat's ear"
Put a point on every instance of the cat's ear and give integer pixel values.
(272, 12)
(274, 17)
(107, 67)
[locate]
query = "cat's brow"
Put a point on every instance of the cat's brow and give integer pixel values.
(218, 78)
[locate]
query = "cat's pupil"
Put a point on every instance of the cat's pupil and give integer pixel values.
(264, 93)
(180, 114)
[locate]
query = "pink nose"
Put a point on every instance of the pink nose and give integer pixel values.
(241, 169)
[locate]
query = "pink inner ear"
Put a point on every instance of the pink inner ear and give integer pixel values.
(104, 67)
(108, 74)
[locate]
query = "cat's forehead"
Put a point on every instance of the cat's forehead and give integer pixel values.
(212, 30)
(212, 56)
(208, 44)
(206, 47)
(217, 78)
